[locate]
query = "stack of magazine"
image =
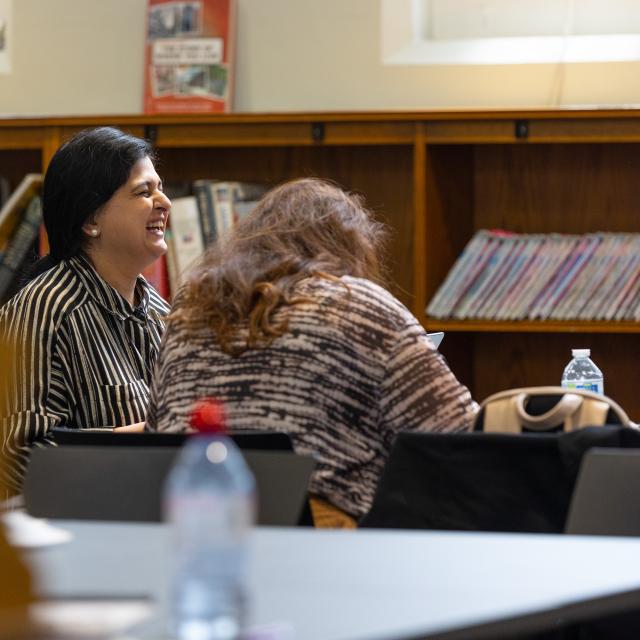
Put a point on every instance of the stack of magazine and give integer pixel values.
(507, 276)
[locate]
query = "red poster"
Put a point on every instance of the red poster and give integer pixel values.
(189, 56)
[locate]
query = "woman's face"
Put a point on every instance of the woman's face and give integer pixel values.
(131, 225)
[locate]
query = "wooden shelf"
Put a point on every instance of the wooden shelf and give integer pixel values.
(435, 177)
(531, 326)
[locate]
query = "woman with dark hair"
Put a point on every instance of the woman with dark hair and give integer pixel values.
(285, 322)
(86, 329)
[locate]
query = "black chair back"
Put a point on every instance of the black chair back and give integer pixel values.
(605, 497)
(485, 482)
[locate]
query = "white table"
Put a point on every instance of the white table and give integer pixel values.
(345, 585)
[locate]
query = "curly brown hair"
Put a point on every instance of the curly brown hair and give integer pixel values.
(302, 228)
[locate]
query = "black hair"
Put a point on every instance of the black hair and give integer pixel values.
(82, 176)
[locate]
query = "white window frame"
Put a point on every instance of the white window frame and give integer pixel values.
(405, 41)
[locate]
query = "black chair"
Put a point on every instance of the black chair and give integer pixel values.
(605, 497)
(126, 483)
(485, 482)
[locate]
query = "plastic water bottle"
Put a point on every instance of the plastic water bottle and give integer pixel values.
(210, 505)
(582, 373)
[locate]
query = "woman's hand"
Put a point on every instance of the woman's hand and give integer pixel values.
(138, 427)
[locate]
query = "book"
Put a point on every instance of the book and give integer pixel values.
(569, 306)
(222, 198)
(222, 203)
(502, 276)
(246, 196)
(186, 236)
(204, 197)
(469, 263)
(19, 245)
(556, 256)
(531, 279)
(598, 302)
(602, 262)
(157, 276)
(508, 291)
(14, 208)
(628, 269)
(170, 261)
(189, 56)
(470, 306)
(579, 257)
(481, 271)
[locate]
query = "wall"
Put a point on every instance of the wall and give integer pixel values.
(85, 57)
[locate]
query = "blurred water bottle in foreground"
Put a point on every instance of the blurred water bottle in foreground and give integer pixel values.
(210, 505)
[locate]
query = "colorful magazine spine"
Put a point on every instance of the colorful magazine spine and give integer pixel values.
(508, 277)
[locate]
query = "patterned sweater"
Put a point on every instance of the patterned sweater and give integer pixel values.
(354, 369)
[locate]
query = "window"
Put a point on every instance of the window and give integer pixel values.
(497, 32)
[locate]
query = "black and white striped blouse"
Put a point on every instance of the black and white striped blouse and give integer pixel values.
(83, 357)
(354, 369)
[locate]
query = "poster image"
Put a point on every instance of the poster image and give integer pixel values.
(189, 56)
(5, 35)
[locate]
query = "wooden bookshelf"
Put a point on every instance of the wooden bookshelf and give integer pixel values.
(530, 326)
(435, 177)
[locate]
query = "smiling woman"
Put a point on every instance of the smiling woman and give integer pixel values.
(86, 329)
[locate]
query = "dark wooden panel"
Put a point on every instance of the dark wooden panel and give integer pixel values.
(573, 188)
(14, 164)
(449, 209)
(382, 174)
(237, 134)
(471, 130)
(504, 361)
(585, 130)
(22, 138)
(458, 350)
(369, 132)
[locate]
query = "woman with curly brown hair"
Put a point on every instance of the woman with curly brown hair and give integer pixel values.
(285, 321)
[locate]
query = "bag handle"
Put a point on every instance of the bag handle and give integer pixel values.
(566, 406)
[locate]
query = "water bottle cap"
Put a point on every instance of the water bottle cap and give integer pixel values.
(580, 353)
(207, 416)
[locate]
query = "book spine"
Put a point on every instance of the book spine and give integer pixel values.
(555, 267)
(510, 308)
(625, 281)
(13, 209)
(511, 265)
(569, 306)
(156, 275)
(442, 302)
(223, 206)
(20, 243)
(580, 259)
(188, 242)
(596, 288)
(173, 275)
(611, 283)
(245, 197)
(490, 274)
(475, 277)
(509, 289)
(465, 286)
(202, 193)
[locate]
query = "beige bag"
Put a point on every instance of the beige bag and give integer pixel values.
(509, 411)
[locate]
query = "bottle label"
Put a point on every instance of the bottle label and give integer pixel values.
(596, 387)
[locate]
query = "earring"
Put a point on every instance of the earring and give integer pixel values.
(94, 233)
